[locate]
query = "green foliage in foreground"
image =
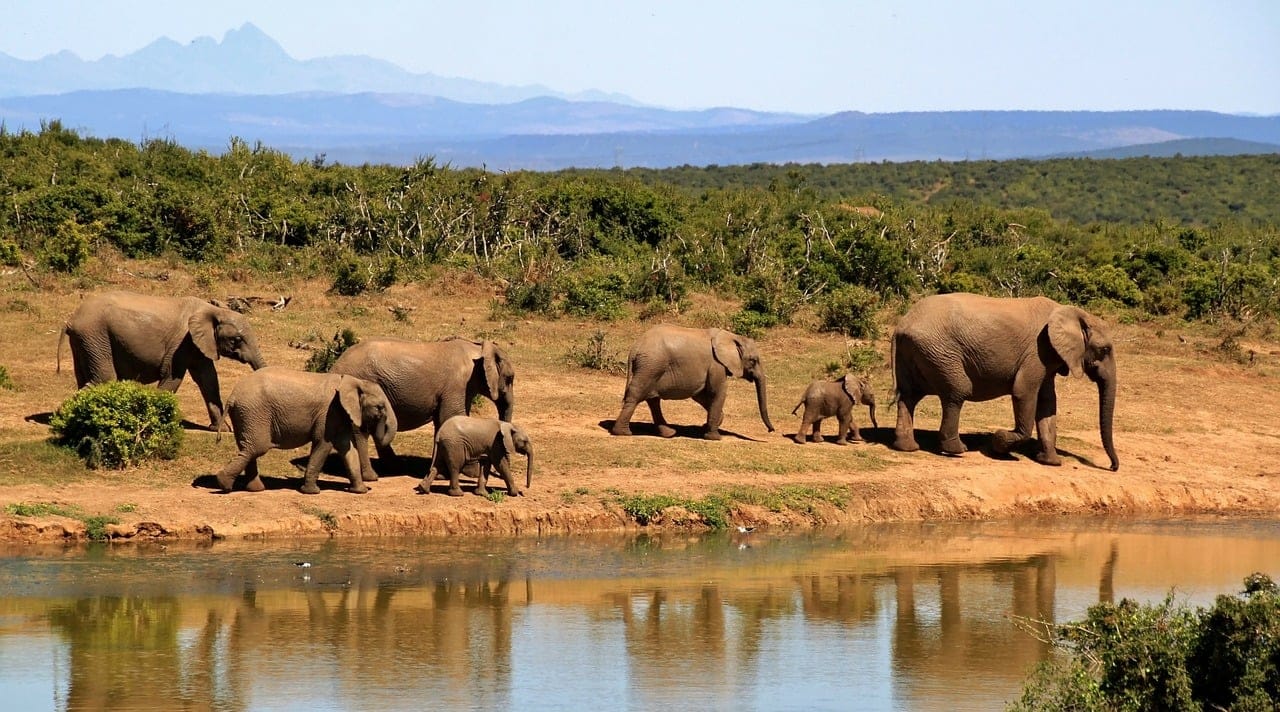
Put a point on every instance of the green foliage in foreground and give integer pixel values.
(118, 424)
(1182, 237)
(95, 525)
(1166, 656)
(714, 509)
(322, 358)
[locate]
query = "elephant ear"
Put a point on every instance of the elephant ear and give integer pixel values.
(727, 349)
(505, 439)
(489, 354)
(1067, 334)
(203, 327)
(850, 387)
(349, 397)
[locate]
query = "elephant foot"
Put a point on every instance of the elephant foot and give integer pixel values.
(424, 487)
(1049, 458)
(369, 476)
(309, 488)
(666, 431)
(254, 485)
(454, 492)
(226, 483)
(482, 491)
(1003, 441)
(799, 439)
(815, 438)
(842, 441)
(905, 444)
(712, 435)
(953, 446)
(620, 430)
(361, 489)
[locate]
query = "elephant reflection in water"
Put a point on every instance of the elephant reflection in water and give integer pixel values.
(124, 653)
(364, 619)
(954, 644)
(705, 637)
(848, 598)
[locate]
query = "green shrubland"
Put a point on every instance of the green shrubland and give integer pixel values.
(1166, 656)
(118, 424)
(1192, 238)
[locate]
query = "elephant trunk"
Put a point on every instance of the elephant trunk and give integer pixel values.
(762, 400)
(386, 431)
(506, 404)
(871, 408)
(528, 468)
(1106, 412)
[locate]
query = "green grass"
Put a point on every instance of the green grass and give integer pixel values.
(714, 509)
(95, 525)
(328, 519)
(40, 462)
(496, 496)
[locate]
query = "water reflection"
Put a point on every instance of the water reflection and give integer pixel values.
(877, 618)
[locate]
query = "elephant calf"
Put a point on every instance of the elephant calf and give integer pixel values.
(823, 399)
(280, 408)
(463, 439)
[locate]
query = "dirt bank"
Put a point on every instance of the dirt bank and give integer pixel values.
(1196, 433)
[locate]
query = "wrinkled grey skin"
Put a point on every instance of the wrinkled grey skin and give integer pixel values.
(823, 399)
(280, 408)
(966, 347)
(120, 335)
(464, 440)
(675, 362)
(430, 382)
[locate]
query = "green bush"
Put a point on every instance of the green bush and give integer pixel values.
(596, 356)
(9, 254)
(850, 310)
(322, 358)
(68, 247)
(597, 296)
(6, 382)
(532, 297)
(751, 323)
(1166, 656)
(119, 424)
(353, 276)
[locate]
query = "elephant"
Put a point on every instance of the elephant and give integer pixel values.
(281, 408)
(823, 399)
(430, 382)
(967, 347)
(672, 362)
(121, 335)
(463, 440)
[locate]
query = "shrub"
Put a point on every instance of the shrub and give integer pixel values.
(119, 424)
(597, 296)
(68, 248)
(536, 297)
(850, 310)
(5, 381)
(353, 276)
(595, 356)
(9, 255)
(751, 323)
(1131, 656)
(322, 358)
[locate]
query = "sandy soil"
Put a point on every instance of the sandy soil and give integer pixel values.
(1196, 431)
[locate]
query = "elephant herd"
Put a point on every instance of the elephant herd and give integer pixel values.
(959, 347)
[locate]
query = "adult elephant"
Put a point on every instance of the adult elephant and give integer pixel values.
(430, 382)
(967, 347)
(675, 362)
(126, 336)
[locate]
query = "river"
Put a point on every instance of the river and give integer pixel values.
(884, 617)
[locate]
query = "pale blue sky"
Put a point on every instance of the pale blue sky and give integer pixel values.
(812, 56)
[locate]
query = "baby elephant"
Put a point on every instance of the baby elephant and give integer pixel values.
(464, 439)
(823, 399)
(276, 407)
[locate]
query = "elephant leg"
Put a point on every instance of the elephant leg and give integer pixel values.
(659, 420)
(949, 431)
(387, 457)
(482, 479)
(206, 378)
(843, 428)
(815, 431)
(805, 424)
(367, 473)
(351, 458)
(504, 469)
(1024, 417)
(253, 483)
(320, 450)
(622, 425)
(1047, 425)
(244, 459)
(905, 432)
(455, 490)
(714, 403)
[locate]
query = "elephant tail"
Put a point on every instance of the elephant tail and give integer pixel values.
(224, 423)
(62, 336)
(793, 410)
(893, 368)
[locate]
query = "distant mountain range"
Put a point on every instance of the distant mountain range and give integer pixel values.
(248, 61)
(357, 109)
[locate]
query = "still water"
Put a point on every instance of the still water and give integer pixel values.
(878, 618)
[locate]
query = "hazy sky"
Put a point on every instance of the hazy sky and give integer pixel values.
(811, 56)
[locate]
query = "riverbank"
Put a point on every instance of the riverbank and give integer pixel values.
(1195, 430)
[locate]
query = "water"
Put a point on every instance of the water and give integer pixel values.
(879, 618)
